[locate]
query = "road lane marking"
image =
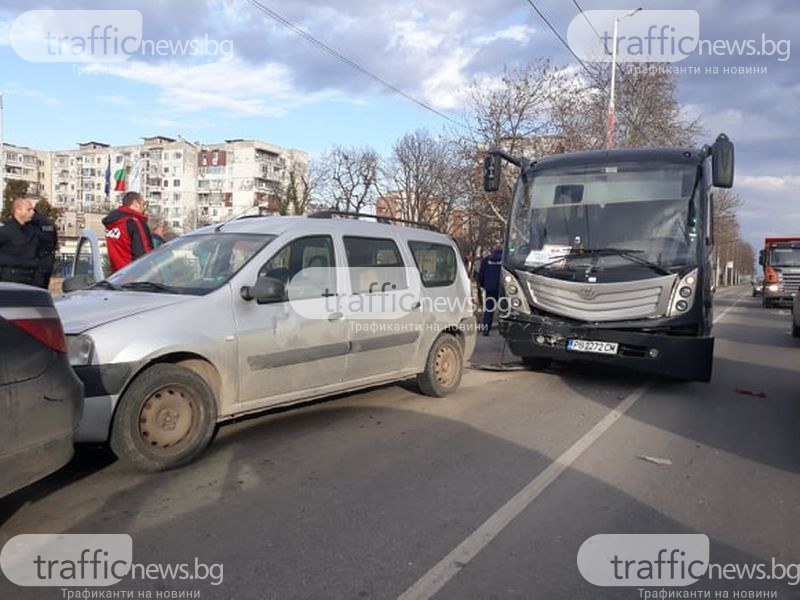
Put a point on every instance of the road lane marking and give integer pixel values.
(447, 568)
(450, 565)
(724, 312)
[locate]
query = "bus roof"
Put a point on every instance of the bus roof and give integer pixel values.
(626, 155)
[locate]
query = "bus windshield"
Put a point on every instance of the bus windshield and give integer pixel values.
(609, 212)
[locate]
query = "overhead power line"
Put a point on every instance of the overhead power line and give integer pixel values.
(593, 76)
(350, 63)
(585, 18)
(560, 38)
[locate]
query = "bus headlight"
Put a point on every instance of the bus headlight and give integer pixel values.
(513, 294)
(683, 294)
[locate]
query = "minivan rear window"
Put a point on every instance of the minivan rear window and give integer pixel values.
(436, 263)
(375, 264)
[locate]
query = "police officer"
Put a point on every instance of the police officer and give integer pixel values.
(489, 280)
(46, 249)
(19, 241)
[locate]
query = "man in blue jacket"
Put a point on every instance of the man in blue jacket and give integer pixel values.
(489, 280)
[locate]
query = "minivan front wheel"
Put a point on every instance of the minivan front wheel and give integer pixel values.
(444, 367)
(165, 418)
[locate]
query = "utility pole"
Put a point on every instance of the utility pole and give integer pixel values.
(611, 113)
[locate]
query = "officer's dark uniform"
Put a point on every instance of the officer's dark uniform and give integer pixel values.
(46, 249)
(18, 246)
(489, 280)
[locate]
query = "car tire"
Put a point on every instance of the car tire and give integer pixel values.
(796, 330)
(165, 419)
(536, 363)
(443, 368)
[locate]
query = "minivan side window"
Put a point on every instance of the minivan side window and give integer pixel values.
(376, 265)
(305, 266)
(436, 263)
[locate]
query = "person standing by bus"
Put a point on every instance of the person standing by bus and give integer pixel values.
(489, 280)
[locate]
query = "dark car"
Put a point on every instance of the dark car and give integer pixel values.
(796, 315)
(41, 398)
(758, 286)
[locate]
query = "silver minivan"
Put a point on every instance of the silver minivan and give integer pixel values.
(256, 313)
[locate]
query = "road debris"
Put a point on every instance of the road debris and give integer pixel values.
(656, 460)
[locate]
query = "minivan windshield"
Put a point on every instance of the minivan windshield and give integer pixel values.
(191, 264)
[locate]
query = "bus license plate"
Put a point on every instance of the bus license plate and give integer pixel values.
(592, 346)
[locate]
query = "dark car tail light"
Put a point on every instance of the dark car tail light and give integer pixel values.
(48, 331)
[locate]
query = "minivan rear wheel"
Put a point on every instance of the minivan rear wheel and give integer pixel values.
(165, 418)
(443, 368)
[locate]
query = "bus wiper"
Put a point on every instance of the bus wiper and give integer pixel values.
(104, 284)
(148, 286)
(624, 253)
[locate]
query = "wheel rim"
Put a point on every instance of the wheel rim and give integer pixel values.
(446, 366)
(168, 418)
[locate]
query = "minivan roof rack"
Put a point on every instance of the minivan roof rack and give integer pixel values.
(332, 214)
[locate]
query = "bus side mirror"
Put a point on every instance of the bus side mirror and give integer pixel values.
(761, 257)
(722, 162)
(491, 173)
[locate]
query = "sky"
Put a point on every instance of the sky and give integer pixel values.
(260, 80)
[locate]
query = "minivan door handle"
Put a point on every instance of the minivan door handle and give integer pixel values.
(337, 316)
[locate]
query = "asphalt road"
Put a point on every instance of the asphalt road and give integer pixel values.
(486, 494)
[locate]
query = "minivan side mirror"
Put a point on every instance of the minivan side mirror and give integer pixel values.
(722, 162)
(78, 282)
(265, 291)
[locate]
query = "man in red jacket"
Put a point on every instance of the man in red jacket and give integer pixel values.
(127, 235)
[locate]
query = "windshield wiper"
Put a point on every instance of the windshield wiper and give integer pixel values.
(104, 284)
(148, 286)
(624, 253)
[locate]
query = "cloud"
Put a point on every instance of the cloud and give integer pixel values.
(116, 100)
(740, 125)
(15, 88)
(770, 206)
(229, 88)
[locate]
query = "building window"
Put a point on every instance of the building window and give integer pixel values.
(176, 196)
(176, 183)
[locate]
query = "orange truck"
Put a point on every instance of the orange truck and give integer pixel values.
(781, 261)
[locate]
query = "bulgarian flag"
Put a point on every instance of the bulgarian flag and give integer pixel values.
(119, 178)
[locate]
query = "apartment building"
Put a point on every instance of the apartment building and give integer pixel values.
(241, 177)
(186, 184)
(31, 166)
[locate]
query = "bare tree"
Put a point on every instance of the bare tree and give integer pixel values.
(194, 220)
(647, 109)
(728, 243)
(348, 178)
(512, 114)
(425, 178)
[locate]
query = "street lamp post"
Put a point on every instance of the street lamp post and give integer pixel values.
(611, 115)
